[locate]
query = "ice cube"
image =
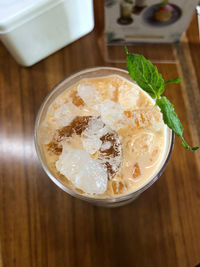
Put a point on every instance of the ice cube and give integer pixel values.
(106, 145)
(65, 114)
(146, 118)
(95, 124)
(136, 170)
(91, 144)
(89, 111)
(118, 187)
(76, 100)
(112, 114)
(128, 97)
(143, 143)
(89, 94)
(92, 134)
(84, 172)
(110, 157)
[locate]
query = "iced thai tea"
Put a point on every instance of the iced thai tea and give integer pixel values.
(103, 137)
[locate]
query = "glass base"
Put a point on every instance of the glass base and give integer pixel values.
(115, 204)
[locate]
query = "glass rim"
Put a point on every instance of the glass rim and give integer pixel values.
(99, 200)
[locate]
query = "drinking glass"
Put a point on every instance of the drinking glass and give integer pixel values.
(55, 92)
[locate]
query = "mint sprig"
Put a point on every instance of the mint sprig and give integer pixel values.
(171, 119)
(176, 80)
(146, 75)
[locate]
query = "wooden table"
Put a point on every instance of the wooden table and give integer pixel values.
(40, 225)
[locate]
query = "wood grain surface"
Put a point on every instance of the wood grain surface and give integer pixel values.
(40, 225)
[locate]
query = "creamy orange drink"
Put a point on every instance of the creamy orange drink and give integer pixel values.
(103, 137)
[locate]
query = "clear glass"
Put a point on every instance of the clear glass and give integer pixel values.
(56, 91)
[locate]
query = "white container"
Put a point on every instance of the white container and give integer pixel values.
(33, 29)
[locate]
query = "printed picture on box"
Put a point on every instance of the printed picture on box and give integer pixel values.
(147, 20)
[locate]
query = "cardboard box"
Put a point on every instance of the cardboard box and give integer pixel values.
(147, 21)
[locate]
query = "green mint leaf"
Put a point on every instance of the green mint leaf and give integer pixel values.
(145, 74)
(176, 80)
(169, 116)
(171, 119)
(184, 144)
